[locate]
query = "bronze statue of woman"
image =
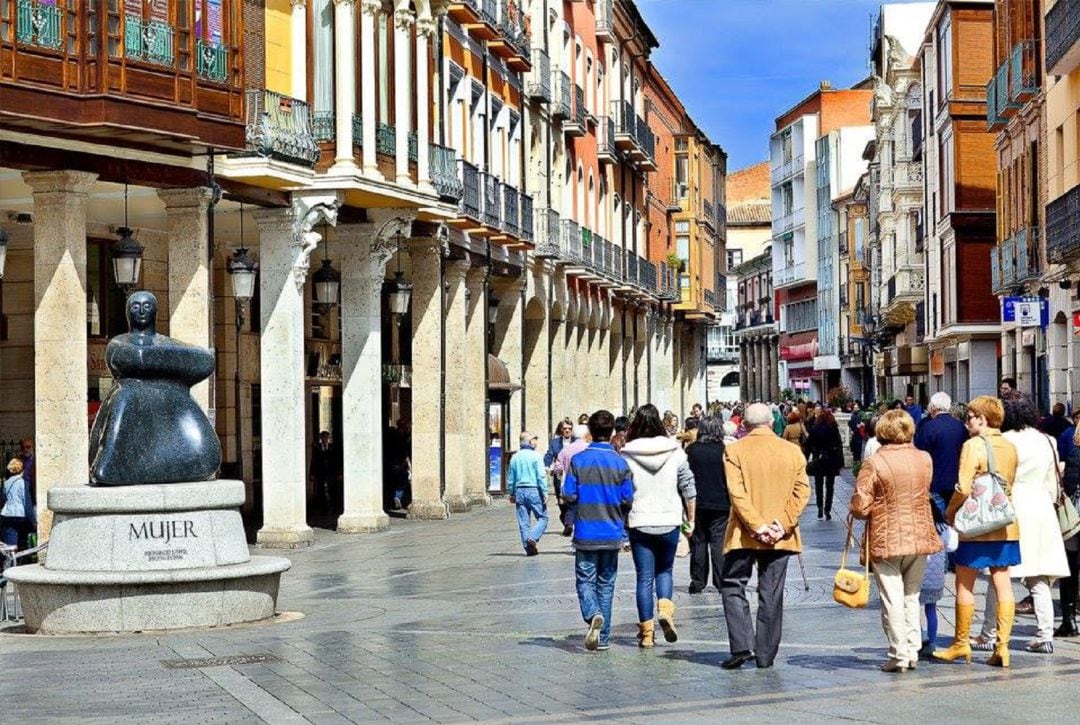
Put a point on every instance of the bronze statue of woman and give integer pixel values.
(149, 429)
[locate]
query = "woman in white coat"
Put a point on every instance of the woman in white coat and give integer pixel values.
(1042, 551)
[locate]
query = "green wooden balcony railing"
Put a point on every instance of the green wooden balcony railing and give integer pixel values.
(39, 24)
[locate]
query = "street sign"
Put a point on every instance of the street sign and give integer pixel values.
(1026, 311)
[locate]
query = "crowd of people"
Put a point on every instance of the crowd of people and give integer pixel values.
(971, 488)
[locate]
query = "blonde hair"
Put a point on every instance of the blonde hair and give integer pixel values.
(15, 466)
(896, 426)
(988, 407)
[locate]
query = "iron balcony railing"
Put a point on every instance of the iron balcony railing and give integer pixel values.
(625, 118)
(605, 20)
(491, 209)
(526, 231)
(211, 60)
(1063, 37)
(710, 298)
(646, 141)
(708, 216)
(547, 233)
(994, 121)
(511, 219)
(647, 275)
(1027, 255)
(570, 241)
(618, 262)
(995, 269)
(471, 199)
(588, 250)
(1024, 71)
(511, 24)
(357, 130)
(631, 268)
(442, 165)
(562, 105)
(1008, 263)
(605, 139)
(279, 127)
(322, 126)
(150, 40)
(489, 12)
(538, 83)
(39, 23)
(1063, 226)
(385, 139)
(579, 105)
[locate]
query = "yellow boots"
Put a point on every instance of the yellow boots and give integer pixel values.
(960, 647)
(1005, 613)
(666, 609)
(645, 634)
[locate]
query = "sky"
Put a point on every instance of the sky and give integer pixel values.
(738, 64)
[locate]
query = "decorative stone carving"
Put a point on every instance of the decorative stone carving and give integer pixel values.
(149, 429)
(310, 211)
(371, 7)
(898, 57)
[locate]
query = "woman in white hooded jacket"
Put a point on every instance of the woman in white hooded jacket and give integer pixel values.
(663, 488)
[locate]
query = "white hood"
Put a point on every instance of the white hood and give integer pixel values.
(651, 453)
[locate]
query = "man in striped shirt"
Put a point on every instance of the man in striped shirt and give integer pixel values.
(599, 486)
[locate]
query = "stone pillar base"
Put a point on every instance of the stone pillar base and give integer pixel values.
(360, 523)
(479, 499)
(428, 510)
(291, 537)
(459, 504)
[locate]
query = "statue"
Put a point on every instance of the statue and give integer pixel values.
(149, 429)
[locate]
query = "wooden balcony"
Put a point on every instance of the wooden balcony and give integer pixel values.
(123, 73)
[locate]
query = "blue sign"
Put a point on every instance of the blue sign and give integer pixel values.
(1028, 311)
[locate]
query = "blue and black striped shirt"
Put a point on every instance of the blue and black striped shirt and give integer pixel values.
(601, 488)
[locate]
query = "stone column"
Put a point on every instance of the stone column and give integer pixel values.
(344, 84)
(363, 267)
(511, 315)
(61, 431)
(744, 370)
(457, 387)
(774, 357)
(474, 439)
(298, 44)
(403, 21)
(189, 273)
(370, 9)
(427, 331)
(425, 30)
(536, 369)
(281, 365)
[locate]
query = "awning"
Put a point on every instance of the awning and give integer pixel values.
(499, 375)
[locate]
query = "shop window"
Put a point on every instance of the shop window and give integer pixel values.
(105, 315)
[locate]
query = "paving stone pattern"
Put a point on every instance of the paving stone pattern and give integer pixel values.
(447, 621)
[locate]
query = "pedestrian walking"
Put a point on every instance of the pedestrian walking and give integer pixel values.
(526, 482)
(872, 443)
(562, 438)
(933, 585)
(856, 431)
(893, 495)
(14, 506)
(768, 489)
(581, 440)
(599, 486)
(1070, 585)
(325, 472)
(795, 431)
(663, 492)
(1056, 423)
(942, 436)
(1042, 551)
(706, 459)
(825, 461)
(996, 550)
(913, 409)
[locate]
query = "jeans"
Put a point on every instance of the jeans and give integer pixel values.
(595, 573)
(654, 556)
(529, 501)
(899, 579)
(11, 531)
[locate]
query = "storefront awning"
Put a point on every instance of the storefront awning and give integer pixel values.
(499, 376)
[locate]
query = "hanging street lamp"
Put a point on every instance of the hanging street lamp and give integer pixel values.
(126, 254)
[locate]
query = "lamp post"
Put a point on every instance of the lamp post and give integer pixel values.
(242, 269)
(869, 329)
(127, 260)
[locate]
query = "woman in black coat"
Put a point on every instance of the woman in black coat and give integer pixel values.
(1069, 585)
(706, 459)
(826, 458)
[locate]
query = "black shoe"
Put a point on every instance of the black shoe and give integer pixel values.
(828, 516)
(567, 530)
(696, 589)
(1067, 629)
(737, 660)
(820, 515)
(764, 665)
(926, 652)
(530, 548)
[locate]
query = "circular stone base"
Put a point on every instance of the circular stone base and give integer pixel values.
(69, 602)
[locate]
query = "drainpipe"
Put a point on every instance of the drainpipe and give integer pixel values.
(442, 374)
(547, 207)
(487, 351)
(440, 56)
(524, 383)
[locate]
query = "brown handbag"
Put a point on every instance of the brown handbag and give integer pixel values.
(852, 588)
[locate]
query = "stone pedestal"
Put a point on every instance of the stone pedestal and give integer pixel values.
(134, 558)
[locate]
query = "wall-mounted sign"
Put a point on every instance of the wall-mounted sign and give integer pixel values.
(1026, 311)
(1076, 323)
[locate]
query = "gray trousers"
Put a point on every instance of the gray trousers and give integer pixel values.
(772, 573)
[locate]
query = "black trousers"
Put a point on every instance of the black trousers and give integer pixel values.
(772, 573)
(1069, 585)
(707, 543)
(826, 483)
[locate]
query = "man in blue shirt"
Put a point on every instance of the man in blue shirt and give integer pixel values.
(942, 436)
(526, 482)
(599, 485)
(914, 409)
(1065, 439)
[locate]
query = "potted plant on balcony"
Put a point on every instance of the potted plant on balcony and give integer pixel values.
(675, 262)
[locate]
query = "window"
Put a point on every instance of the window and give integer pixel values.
(734, 258)
(944, 58)
(105, 313)
(860, 234)
(799, 316)
(323, 56)
(682, 176)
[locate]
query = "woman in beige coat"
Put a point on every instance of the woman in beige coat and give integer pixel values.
(893, 495)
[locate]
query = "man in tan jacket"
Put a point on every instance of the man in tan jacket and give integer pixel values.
(768, 488)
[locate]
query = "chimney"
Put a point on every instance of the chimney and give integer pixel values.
(826, 86)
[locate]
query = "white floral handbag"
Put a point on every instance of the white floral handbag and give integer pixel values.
(987, 507)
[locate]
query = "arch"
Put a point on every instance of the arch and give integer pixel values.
(534, 309)
(557, 311)
(730, 380)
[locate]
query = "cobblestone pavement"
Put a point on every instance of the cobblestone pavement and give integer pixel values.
(447, 621)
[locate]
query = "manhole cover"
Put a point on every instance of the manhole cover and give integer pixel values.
(196, 663)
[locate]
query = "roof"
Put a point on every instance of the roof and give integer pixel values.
(750, 213)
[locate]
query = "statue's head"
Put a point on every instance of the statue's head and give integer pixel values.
(141, 311)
